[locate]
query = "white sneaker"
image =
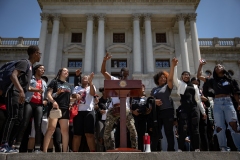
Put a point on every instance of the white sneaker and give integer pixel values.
(197, 150)
(38, 151)
(12, 150)
(224, 149)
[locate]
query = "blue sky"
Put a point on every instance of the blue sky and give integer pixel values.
(216, 18)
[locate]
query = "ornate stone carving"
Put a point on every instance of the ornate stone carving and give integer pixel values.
(147, 16)
(192, 17)
(136, 16)
(90, 16)
(56, 16)
(44, 16)
(181, 17)
(101, 16)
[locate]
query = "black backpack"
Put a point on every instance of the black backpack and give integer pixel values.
(5, 74)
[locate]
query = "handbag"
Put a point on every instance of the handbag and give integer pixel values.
(55, 113)
(73, 112)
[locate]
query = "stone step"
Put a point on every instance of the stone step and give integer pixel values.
(124, 156)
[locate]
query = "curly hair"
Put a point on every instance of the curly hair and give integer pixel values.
(158, 75)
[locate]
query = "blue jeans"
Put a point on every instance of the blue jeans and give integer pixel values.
(224, 111)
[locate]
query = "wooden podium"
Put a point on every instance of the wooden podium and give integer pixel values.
(123, 89)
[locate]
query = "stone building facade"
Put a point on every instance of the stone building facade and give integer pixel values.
(143, 35)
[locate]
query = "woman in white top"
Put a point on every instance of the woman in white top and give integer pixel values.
(84, 122)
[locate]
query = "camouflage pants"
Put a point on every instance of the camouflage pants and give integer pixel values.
(109, 142)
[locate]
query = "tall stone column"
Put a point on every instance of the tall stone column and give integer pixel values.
(137, 60)
(183, 42)
(195, 45)
(100, 42)
(43, 34)
(148, 38)
(88, 48)
(54, 44)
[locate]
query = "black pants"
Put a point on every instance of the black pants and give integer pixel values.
(167, 123)
(14, 117)
(35, 111)
(210, 131)
(25, 138)
(188, 125)
(203, 134)
(140, 124)
(3, 117)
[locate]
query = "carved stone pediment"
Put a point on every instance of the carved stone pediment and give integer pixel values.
(163, 48)
(119, 48)
(74, 48)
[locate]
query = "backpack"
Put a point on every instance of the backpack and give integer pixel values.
(5, 74)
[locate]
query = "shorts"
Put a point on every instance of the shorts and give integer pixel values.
(84, 122)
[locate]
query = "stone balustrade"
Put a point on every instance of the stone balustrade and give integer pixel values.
(202, 41)
(216, 42)
(20, 41)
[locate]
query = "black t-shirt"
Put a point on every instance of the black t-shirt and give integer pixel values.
(220, 86)
(63, 99)
(163, 93)
(24, 78)
(139, 103)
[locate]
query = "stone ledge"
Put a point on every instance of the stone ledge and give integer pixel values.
(124, 156)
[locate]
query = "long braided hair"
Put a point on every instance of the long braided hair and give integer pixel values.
(58, 74)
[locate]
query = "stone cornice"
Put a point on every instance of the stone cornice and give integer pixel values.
(213, 50)
(17, 49)
(123, 2)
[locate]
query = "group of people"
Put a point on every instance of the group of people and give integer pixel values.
(91, 123)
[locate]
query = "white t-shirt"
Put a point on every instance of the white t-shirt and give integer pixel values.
(87, 102)
(116, 99)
